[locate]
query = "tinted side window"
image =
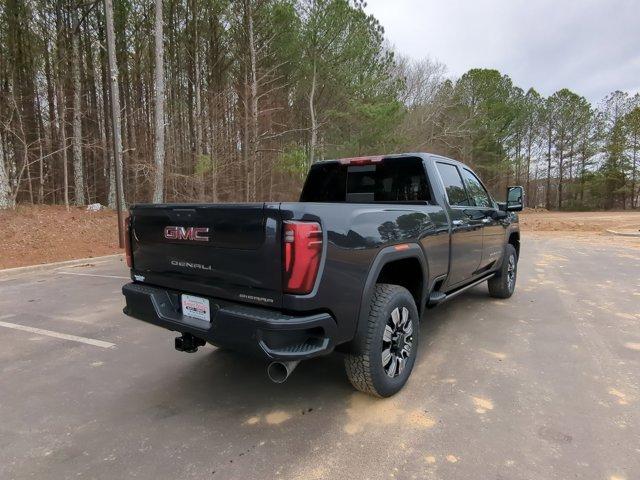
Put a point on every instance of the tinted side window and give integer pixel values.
(390, 181)
(325, 183)
(453, 184)
(477, 193)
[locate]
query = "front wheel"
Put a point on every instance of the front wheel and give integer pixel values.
(390, 344)
(503, 284)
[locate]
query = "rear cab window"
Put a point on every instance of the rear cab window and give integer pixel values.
(394, 180)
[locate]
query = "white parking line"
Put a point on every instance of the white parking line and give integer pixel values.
(93, 275)
(64, 336)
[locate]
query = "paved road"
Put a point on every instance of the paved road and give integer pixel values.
(542, 386)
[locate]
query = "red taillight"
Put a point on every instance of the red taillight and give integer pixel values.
(127, 242)
(302, 253)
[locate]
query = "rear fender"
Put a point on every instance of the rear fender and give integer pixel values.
(385, 256)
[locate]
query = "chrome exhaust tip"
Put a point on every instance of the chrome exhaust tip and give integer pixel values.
(278, 372)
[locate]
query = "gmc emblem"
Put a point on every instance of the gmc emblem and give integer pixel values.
(198, 234)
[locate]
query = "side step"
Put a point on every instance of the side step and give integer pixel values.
(435, 298)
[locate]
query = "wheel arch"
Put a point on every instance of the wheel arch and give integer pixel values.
(387, 267)
(514, 239)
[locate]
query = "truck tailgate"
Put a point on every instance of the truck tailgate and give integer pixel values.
(224, 250)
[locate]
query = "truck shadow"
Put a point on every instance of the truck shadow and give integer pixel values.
(223, 389)
(214, 381)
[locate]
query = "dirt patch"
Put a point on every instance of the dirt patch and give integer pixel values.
(543, 221)
(42, 234)
(366, 412)
(582, 227)
(277, 417)
(482, 404)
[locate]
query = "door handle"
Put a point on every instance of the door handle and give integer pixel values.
(486, 220)
(458, 223)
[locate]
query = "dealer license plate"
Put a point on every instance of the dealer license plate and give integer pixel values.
(196, 307)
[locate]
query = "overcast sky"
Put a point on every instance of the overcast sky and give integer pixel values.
(589, 46)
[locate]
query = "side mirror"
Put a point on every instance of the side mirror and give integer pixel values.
(515, 199)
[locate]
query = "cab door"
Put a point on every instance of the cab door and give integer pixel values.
(485, 209)
(466, 227)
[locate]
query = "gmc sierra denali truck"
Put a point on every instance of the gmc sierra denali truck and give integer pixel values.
(373, 243)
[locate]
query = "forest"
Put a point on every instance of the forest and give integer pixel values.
(222, 100)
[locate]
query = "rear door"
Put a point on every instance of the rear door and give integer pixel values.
(466, 226)
(484, 207)
(223, 250)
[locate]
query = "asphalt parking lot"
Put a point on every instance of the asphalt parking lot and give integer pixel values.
(545, 385)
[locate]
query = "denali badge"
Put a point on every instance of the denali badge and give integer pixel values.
(199, 234)
(197, 266)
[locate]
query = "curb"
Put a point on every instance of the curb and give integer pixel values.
(624, 234)
(65, 263)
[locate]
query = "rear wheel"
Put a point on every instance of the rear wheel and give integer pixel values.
(390, 343)
(503, 284)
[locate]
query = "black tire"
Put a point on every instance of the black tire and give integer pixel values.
(504, 283)
(366, 371)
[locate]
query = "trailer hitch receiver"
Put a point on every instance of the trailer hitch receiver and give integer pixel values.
(188, 343)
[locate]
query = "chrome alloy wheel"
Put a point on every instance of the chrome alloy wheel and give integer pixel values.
(397, 341)
(511, 273)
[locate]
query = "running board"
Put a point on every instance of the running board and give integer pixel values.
(437, 298)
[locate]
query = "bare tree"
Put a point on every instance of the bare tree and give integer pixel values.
(253, 110)
(6, 200)
(115, 115)
(62, 115)
(312, 113)
(158, 186)
(78, 167)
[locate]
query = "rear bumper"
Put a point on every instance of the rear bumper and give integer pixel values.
(267, 333)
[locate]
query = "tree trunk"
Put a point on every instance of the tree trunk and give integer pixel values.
(634, 170)
(560, 174)
(247, 140)
(6, 199)
(63, 144)
(197, 110)
(158, 187)
(41, 170)
(78, 174)
(548, 192)
(52, 132)
(583, 167)
(41, 140)
(528, 180)
(254, 104)
(115, 106)
(29, 180)
(312, 114)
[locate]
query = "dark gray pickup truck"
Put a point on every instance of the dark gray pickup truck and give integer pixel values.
(373, 243)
